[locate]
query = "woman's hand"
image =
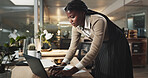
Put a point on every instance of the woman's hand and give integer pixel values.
(63, 64)
(66, 73)
(54, 69)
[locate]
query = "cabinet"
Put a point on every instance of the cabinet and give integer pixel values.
(138, 47)
(65, 43)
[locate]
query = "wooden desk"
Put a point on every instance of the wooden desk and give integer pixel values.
(25, 71)
(56, 53)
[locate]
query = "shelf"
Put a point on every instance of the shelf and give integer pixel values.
(139, 66)
(140, 45)
(138, 53)
(135, 38)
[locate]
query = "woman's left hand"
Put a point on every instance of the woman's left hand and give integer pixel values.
(66, 73)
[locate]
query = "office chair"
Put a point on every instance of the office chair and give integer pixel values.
(83, 49)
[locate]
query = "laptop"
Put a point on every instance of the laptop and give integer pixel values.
(36, 66)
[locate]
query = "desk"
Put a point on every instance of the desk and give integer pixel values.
(56, 53)
(25, 71)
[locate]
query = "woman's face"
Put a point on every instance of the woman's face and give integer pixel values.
(76, 17)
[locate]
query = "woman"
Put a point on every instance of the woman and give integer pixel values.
(109, 47)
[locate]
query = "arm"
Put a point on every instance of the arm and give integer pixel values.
(99, 27)
(70, 54)
(73, 46)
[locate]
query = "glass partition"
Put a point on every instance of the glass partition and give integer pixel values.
(137, 21)
(15, 18)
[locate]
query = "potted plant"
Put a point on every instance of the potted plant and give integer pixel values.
(16, 42)
(45, 40)
(2, 66)
(5, 56)
(32, 50)
(7, 50)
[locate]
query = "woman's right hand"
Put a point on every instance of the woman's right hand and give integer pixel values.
(63, 64)
(54, 69)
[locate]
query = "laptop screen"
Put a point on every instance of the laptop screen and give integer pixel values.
(36, 66)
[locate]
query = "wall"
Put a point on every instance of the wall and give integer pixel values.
(4, 37)
(3, 34)
(0, 19)
(121, 23)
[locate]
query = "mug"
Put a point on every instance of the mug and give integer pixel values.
(32, 53)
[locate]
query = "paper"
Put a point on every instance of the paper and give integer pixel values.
(68, 67)
(47, 63)
(81, 71)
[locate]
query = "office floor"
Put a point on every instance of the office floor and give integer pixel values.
(141, 72)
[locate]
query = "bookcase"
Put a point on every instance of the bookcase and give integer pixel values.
(138, 47)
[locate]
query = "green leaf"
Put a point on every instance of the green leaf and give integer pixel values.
(18, 38)
(6, 45)
(12, 41)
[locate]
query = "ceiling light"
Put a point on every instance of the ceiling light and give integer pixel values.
(64, 22)
(136, 1)
(57, 4)
(58, 32)
(5, 30)
(27, 31)
(111, 18)
(23, 2)
(17, 8)
(1, 29)
(64, 26)
(58, 24)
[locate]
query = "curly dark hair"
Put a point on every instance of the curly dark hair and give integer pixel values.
(79, 5)
(76, 5)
